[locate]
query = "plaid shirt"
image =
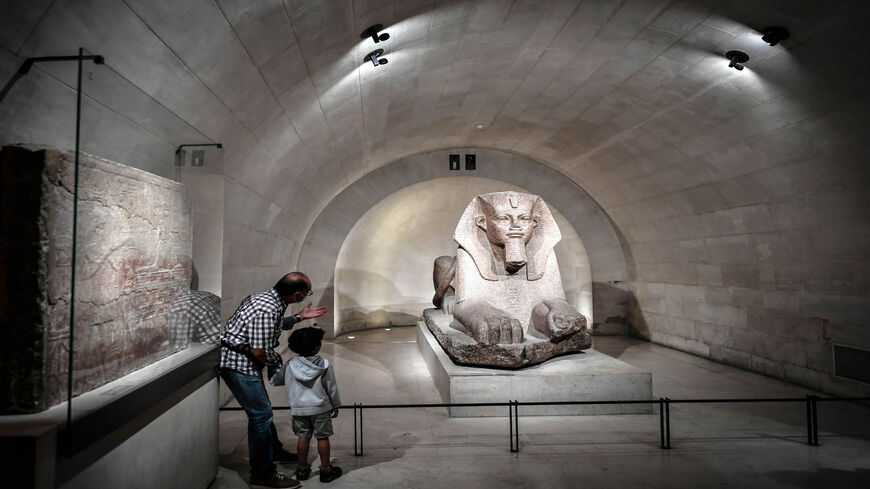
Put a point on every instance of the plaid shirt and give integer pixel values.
(195, 316)
(255, 324)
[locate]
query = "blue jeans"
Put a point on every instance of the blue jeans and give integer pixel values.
(262, 436)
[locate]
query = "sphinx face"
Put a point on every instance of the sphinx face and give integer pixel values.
(509, 222)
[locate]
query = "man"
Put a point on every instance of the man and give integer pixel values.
(247, 347)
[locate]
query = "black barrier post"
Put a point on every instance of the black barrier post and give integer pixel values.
(511, 425)
(357, 412)
(809, 420)
(815, 420)
(668, 422)
(516, 426)
(662, 410)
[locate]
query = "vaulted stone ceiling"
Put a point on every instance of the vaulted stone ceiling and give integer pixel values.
(741, 194)
(625, 97)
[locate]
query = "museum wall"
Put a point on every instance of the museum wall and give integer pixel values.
(746, 213)
(149, 98)
(383, 274)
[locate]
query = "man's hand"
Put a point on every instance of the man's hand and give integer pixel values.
(309, 312)
(259, 355)
(334, 413)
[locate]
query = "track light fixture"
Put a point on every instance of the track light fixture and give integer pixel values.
(373, 57)
(737, 59)
(372, 32)
(773, 34)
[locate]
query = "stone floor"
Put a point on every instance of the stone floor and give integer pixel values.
(713, 445)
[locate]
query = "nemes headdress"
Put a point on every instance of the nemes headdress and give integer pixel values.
(473, 239)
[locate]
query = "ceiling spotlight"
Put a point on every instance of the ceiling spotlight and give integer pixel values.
(773, 34)
(373, 57)
(372, 32)
(479, 125)
(737, 59)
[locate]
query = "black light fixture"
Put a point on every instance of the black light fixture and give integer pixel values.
(454, 162)
(373, 57)
(737, 59)
(197, 157)
(372, 32)
(773, 34)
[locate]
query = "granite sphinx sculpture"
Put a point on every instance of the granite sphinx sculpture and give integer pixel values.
(500, 298)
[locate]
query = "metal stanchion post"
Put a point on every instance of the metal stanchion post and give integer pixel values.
(355, 452)
(809, 421)
(662, 422)
(517, 425)
(357, 432)
(511, 425)
(668, 422)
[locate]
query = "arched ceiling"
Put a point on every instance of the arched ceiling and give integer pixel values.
(626, 97)
(604, 91)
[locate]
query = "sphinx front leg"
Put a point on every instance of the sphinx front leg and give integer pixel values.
(557, 319)
(442, 278)
(487, 324)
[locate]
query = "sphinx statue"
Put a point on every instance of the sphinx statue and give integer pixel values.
(502, 291)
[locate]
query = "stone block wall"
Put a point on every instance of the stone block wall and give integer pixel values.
(132, 260)
(769, 285)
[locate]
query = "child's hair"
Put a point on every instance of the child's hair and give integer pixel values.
(304, 341)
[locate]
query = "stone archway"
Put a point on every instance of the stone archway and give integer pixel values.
(607, 256)
(382, 274)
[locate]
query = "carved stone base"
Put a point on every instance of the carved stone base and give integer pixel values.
(585, 376)
(463, 350)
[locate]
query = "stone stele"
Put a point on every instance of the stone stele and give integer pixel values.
(133, 251)
(500, 299)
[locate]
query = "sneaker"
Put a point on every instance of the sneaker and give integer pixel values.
(284, 456)
(303, 474)
(277, 479)
(329, 473)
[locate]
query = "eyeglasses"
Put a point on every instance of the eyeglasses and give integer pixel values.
(310, 292)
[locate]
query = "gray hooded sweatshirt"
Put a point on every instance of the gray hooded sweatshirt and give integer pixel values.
(310, 383)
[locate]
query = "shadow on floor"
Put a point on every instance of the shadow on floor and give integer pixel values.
(825, 477)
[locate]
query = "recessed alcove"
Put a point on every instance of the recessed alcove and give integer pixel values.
(383, 274)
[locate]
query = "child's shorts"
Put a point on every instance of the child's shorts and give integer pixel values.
(318, 424)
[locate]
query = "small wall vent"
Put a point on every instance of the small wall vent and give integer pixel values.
(852, 363)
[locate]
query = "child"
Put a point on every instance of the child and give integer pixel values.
(313, 397)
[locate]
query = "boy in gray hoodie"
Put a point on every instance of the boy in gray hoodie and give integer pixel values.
(313, 397)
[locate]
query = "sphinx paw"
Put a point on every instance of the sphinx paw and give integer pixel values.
(492, 330)
(564, 325)
(448, 304)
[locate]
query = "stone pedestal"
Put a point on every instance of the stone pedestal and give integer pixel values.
(585, 376)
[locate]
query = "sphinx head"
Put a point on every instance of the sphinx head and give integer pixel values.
(508, 230)
(508, 219)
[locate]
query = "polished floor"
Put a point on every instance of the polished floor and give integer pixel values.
(713, 445)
